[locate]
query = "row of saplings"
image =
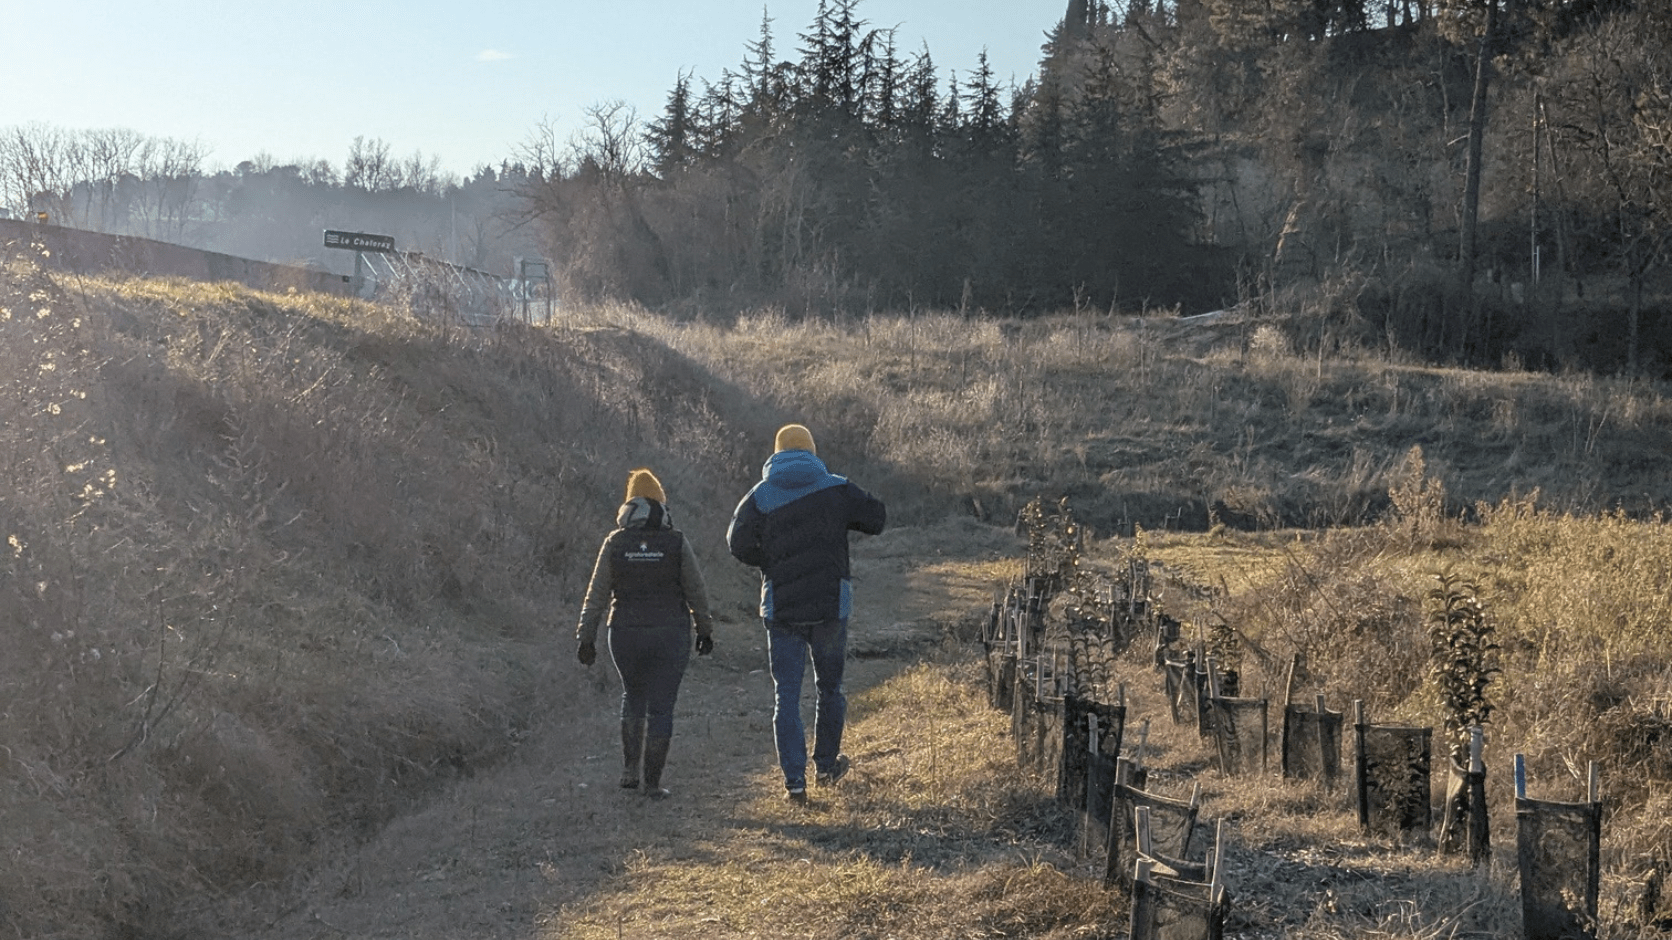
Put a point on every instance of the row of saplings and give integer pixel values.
(1069, 717)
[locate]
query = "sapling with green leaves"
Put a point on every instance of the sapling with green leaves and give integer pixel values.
(1463, 660)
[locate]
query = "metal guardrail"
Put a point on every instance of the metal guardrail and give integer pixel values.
(442, 290)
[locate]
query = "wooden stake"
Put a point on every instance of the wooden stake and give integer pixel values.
(1323, 744)
(1520, 776)
(1359, 765)
(1593, 787)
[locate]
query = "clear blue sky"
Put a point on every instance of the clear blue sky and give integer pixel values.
(465, 81)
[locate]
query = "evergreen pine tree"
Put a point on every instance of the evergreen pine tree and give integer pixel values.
(670, 137)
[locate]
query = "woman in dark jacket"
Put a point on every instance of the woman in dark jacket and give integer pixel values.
(648, 588)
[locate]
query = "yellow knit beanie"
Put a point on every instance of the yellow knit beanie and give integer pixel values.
(794, 437)
(642, 482)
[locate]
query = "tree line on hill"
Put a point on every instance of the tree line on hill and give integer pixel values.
(125, 182)
(854, 170)
(1474, 179)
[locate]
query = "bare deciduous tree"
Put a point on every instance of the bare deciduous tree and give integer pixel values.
(105, 179)
(110, 156)
(611, 141)
(167, 173)
(36, 168)
(369, 166)
(1612, 115)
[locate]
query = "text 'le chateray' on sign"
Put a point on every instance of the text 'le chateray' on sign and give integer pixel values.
(359, 241)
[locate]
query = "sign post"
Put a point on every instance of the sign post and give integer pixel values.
(529, 274)
(359, 243)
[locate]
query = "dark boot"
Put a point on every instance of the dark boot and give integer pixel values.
(632, 745)
(655, 755)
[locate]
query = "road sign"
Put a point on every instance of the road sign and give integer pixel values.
(359, 241)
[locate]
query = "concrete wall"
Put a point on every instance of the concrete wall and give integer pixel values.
(83, 252)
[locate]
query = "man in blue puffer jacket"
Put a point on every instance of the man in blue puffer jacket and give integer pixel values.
(793, 525)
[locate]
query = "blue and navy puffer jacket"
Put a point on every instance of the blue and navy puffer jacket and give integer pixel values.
(793, 525)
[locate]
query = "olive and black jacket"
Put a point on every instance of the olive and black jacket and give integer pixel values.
(793, 525)
(646, 576)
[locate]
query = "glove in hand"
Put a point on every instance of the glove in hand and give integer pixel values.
(705, 645)
(587, 654)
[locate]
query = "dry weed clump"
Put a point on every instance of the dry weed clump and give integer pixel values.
(1420, 905)
(1357, 625)
(1583, 610)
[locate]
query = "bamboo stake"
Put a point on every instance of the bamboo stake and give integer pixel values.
(1217, 860)
(1140, 819)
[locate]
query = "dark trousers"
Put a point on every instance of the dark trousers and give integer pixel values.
(651, 662)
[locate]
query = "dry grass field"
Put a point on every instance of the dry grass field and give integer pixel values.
(285, 623)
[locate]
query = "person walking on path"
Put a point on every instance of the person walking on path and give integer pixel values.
(793, 525)
(646, 585)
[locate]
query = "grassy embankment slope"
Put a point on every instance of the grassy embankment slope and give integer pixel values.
(281, 565)
(278, 565)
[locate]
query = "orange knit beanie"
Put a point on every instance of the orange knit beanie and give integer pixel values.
(794, 437)
(642, 482)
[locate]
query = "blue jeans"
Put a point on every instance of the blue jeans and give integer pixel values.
(788, 646)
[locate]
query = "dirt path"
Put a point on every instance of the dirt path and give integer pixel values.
(499, 855)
